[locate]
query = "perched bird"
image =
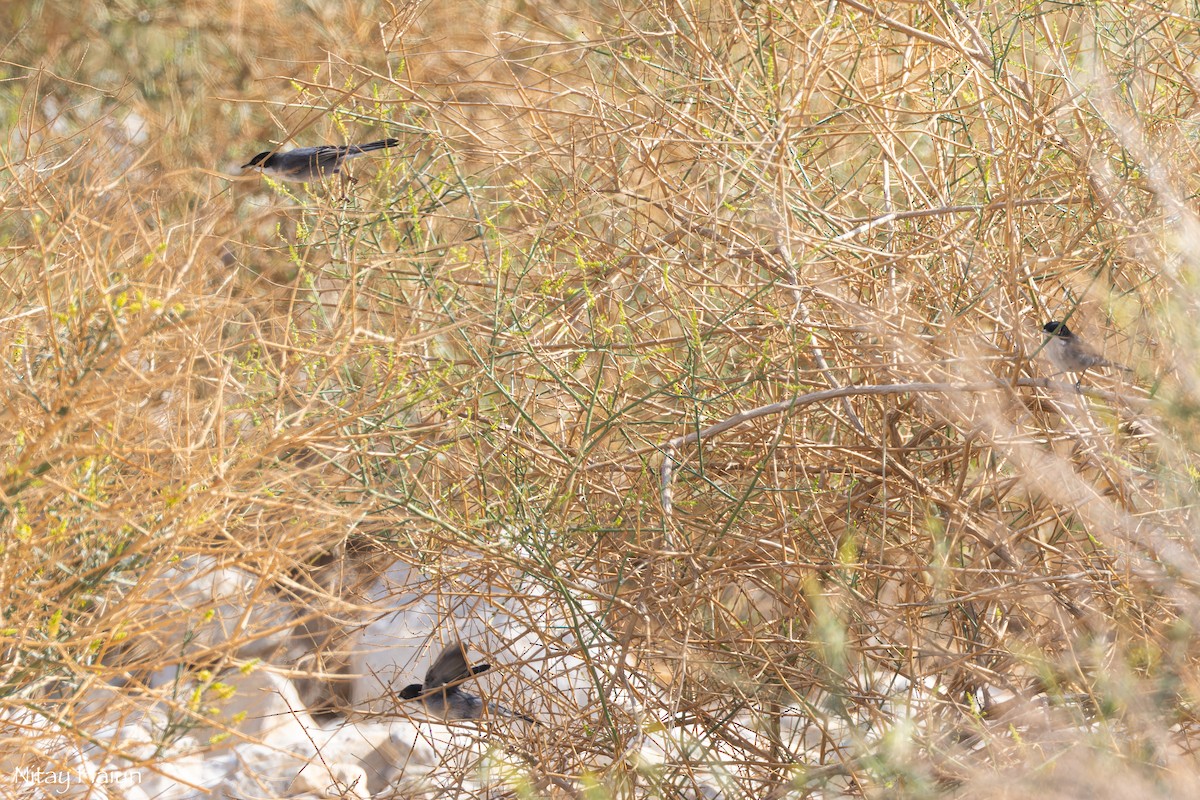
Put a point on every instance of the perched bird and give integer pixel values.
(442, 692)
(310, 164)
(1068, 353)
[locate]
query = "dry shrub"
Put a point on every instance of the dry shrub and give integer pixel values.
(608, 227)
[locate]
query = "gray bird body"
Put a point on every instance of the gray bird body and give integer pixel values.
(311, 164)
(442, 693)
(1068, 353)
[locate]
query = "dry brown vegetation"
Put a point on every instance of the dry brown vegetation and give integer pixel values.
(608, 228)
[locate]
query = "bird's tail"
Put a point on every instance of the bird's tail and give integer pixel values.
(504, 711)
(1104, 362)
(382, 144)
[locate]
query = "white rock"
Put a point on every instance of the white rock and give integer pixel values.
(393, 752)
(179, 777)
(265, 705)
(262, 771)
(200, 609)
(526, 631)
(347, 781)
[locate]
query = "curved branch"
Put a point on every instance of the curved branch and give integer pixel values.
(667, 471)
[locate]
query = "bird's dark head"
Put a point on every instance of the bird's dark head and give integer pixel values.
(258, 160)
(1057, 329)
(413, 690)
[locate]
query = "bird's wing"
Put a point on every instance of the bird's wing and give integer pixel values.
(300, 152)
(324, 155)
(449, 667)
(1090, 354)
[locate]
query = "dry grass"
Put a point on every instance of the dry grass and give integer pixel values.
(609, 228)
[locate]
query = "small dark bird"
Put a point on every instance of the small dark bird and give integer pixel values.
(311, 164)
(1068, 353)
(442, 693)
